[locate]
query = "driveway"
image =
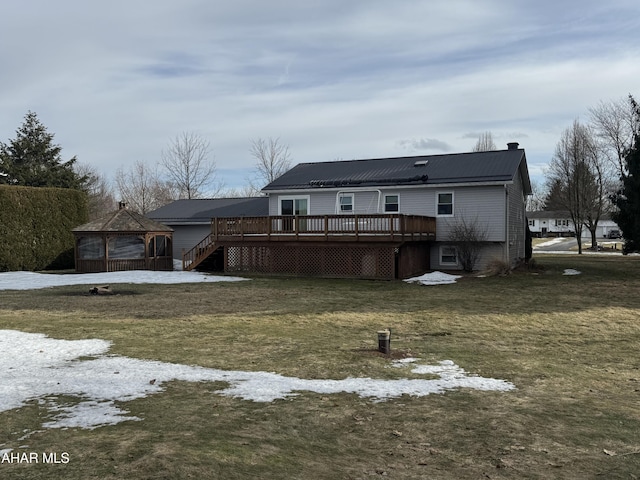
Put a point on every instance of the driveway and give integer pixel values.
(570, 245)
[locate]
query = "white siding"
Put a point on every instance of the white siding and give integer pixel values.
(324, 202)
(185, 237)
(484, 206)
(489, 252)
(484, 203)
(517, 221)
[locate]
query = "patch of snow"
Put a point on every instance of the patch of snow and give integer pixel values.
(403, 361)
(32, 281)
(551, 242)
(36, 367)
(434, 278)
(571, 271)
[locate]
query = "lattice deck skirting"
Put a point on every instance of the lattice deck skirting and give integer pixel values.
(375, 262)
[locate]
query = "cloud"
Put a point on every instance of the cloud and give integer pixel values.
(331, 79)
(425, 144)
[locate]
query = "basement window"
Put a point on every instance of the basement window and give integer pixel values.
(448, 255)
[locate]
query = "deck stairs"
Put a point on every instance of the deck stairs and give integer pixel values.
(198, 254)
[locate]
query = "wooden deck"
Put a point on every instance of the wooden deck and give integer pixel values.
(334, 229)
(381, 227)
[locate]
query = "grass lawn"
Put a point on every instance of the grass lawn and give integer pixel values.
(570, 344)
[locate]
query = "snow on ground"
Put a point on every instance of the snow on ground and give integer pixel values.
(434, 278)
(551, 242)
(34, 367)
(571, 271)
(31, 280)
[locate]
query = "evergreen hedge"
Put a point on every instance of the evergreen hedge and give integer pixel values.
(35, 227)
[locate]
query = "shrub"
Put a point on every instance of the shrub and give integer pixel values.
(36, 224)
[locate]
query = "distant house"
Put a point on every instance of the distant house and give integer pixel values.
(123, 240)
(190, 219)
(378, 218)
(559, 224)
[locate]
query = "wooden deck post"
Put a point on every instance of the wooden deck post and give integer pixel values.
(356, 225)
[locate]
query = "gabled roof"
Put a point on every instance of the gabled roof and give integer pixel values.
(203, 210)
(499, 166)
(558, 214)
(123, 220)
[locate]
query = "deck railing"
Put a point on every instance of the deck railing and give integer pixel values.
(392, 225)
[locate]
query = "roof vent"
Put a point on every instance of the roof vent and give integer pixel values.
(512, 145)
(421, 163)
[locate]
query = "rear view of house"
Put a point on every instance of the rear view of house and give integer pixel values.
(380, 218)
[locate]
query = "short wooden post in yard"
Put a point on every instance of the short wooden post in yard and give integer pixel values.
(384, 341)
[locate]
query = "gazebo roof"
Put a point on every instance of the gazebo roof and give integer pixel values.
(123, 220)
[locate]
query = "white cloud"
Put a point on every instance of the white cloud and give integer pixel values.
(332, 79)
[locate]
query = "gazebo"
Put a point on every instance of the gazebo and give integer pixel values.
(123, 240)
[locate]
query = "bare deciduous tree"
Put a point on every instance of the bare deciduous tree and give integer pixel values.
(536, 201)
(578, 173)
(142, 189)
(241, 192)
(189, 165)
(99, 191)
(272, 159)
(615, 123)
(485, 143)
(467, 235)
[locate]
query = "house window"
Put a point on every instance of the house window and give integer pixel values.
(391, 203)
(562, 223)
(294, 205)
(445, 204)
(532, 223)
(346, 203)
(448, 255)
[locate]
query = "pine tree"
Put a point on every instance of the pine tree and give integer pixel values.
(628, 198)
(33, 160)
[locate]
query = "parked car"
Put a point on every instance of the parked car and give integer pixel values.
(614, 234)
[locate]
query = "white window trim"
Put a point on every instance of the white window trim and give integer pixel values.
(384, 205)
(453, 203)
(440, 255)
(294, 197)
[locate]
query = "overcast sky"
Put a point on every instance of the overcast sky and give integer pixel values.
(334, 79)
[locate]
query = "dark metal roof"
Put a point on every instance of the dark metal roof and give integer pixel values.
(123, 220)
(203, 210)
(476, 167)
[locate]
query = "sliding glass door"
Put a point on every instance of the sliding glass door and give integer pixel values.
(294, 207)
